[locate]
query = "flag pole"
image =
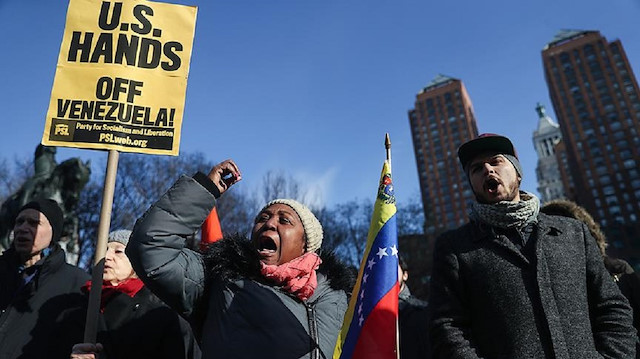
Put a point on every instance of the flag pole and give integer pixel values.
(374, 332)
(387, 146)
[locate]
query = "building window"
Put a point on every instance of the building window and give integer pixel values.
(611, 201)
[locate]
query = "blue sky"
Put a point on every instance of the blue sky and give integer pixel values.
(310, 87)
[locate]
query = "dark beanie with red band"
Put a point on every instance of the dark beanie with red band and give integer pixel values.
(52, 211)
(489, 142)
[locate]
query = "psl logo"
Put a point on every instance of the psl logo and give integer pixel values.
(61, 130)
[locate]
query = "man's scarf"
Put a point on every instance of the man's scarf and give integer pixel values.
(507, 214)
(298, 276)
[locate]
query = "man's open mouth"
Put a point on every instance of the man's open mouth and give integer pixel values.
(492, 185)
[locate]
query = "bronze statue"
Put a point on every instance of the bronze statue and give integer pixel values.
(62, 182)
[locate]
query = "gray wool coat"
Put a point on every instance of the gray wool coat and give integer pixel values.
(553, 299)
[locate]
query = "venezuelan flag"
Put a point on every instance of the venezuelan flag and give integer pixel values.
(369, 329)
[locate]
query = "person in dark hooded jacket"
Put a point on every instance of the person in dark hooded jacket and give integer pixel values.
(39, 291)
(275, 296)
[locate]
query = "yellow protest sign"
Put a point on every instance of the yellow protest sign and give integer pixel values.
(121, 77)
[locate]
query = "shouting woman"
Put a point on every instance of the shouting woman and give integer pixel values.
(273, 296)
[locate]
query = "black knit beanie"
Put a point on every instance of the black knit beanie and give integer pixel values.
(52, 211)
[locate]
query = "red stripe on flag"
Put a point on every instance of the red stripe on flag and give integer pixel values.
(211, 230)
(378, 334)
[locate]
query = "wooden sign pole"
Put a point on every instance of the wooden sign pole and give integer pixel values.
(93, 309)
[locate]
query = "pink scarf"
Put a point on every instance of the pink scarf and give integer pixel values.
(298, 276)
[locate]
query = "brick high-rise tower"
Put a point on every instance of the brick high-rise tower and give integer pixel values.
(596, 100)
(441, 121)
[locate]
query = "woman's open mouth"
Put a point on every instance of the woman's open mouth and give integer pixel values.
(266, 245)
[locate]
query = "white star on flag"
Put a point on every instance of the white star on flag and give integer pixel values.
(360, 320)
(362, 294)
(371, 263)
(364, 277)
(394, 250)
(382, 252)
(360, 309)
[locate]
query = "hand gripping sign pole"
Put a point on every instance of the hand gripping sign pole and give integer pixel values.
(93, 309)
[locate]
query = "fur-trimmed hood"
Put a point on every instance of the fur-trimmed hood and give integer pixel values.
(234, 257)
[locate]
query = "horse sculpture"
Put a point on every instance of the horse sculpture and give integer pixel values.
(62, 183)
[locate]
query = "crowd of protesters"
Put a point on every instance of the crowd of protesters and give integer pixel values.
(520, 280)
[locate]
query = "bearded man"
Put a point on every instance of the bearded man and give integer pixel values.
(515, 283)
